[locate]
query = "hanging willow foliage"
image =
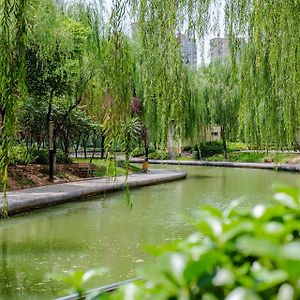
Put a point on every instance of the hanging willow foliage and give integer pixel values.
(264, 40)
(160, 65)
(270, 61)
(12, 50)
(264, 37)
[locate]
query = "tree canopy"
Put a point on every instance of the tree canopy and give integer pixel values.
(69, 53)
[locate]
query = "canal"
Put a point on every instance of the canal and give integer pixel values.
(103, 231)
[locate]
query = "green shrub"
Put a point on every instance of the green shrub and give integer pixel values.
(158, 154)
(19, 155)
(237, 146)
(62, 158)
(41, 156)
(240, 157)
(187, 148)
(137, 152)
(253, 254)
(211, 148)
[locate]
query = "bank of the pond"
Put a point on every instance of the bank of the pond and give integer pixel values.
(265, 166)
(34, 198)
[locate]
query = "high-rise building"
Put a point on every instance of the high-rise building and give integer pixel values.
(189, 50)
(219, 48)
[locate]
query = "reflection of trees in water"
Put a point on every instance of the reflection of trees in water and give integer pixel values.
(13, 276)
(10, 281)
(8, 276)
(224, 182)
(4, 251)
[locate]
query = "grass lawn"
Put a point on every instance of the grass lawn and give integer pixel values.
(185, 158)
(102, 167)
(254, 157)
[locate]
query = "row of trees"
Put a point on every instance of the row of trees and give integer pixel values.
(63, 65)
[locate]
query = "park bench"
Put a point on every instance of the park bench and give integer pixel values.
(86, 168)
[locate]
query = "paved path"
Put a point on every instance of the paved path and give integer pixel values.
(268, 166)
(33, 198)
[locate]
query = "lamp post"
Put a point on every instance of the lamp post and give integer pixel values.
(51, 150)
(145, 165)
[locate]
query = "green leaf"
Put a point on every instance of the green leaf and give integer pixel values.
(92, 273)
(224, 277)
(288, 196)
(211, 227)
(230, 211)
(211, 211)
(266, 279)
(286, 292)
(290, 259)
(241, 293)
(196, 269)
(257, 247)
(275, 229)
(235, 229)
(258, 211)
(291, 251)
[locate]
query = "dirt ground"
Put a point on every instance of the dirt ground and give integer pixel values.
(295, 160)
(21, 177)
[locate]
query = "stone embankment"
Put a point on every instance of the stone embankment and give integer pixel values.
(267, 166)
(34, 198)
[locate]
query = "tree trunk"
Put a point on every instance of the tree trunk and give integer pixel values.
(84, 150)
(102, 145)
(94, 149)
(84, 144)
(223, 137)
(51, 147)
(76, 148)
(66, 143)
(146, 145)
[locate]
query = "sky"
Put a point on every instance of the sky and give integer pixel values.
(217, 13)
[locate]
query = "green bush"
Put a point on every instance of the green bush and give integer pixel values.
(235, 254)
(240, 157)
(41, 156)
(20, 155)
(187, 148)
(158, 154)
(211, 148)
(237, 146)
(62, 158)
(137, 152)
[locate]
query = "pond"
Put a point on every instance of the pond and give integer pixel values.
(103, 231)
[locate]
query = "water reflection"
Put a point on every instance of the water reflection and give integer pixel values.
(104, 232)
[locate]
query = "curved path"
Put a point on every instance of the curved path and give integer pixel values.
(38, 197)
(268, 166)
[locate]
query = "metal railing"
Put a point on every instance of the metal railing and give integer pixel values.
(104, 289)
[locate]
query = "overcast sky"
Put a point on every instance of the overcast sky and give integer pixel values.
(217, 13)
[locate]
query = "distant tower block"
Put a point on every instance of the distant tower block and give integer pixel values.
(188, 50)
(219, 49)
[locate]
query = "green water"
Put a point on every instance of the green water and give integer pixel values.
(104, 232)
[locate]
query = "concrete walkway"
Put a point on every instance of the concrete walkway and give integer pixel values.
(267, 166)
(33, 198)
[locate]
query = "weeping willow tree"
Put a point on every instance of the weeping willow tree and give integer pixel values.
(264, 42)
(167, 86)
(223, 99)
(270, 62)
(12, 53)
